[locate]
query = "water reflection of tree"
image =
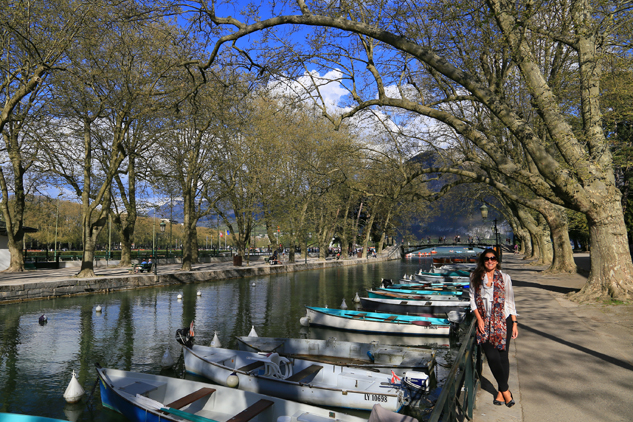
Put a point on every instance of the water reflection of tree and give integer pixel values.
(10, 340)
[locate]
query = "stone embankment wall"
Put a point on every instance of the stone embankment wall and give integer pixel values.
(31, 290)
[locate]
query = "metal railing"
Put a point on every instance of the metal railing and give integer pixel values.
(457, 400)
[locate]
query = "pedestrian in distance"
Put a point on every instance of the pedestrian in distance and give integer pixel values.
(492, 302)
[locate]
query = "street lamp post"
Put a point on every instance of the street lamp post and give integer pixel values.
(484, 216)
(154, 235)
(109, 239)
(56, 221)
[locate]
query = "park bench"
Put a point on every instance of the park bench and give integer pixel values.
(139, 268)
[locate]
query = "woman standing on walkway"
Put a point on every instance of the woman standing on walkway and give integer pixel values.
(492, 302)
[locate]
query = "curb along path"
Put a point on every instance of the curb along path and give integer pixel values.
(571, 362)
(44, 284)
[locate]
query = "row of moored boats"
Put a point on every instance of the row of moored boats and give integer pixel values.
(288, 380)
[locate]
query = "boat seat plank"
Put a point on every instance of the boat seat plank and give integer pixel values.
(304, 373)
(357, 316)
(190, 398)
(251, 366)
(251, 411)
(391, 318)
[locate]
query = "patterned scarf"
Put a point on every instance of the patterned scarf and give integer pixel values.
(495, 324)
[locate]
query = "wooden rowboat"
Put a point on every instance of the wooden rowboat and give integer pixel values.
(301, 380)
(376, 322)
(155, 398)
(326, 333)
(395, 294)
(438, 292)
(412, 307)
(371, 356)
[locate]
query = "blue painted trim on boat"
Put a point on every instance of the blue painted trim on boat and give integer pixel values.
(423, 292)
(15, 417)
(348, 314)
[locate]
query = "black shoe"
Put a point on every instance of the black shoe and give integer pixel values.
(511, 402)
(497, 402)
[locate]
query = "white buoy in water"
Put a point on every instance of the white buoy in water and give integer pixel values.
(216, 341)
(74, 392)
(98, 308)
(232, 380)
(179, 297)
(343, 304)
(253, 333)
(356, 298)
(167, 361)
(253, 284)
(199, 293)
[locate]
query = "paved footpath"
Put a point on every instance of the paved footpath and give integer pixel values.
(570, 362)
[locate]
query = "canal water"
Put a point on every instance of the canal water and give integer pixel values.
(135, 327)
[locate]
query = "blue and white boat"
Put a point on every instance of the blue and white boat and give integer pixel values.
(376, 322)
(154, 398)
(303, 380)
(412, 307)
(443, 276)
(439, 292)
(401, 294)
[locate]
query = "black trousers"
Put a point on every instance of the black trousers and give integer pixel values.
(498, 359)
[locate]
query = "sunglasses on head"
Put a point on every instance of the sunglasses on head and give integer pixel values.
(490, 258)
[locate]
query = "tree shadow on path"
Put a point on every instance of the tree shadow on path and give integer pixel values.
(602, 356)
(556, 289)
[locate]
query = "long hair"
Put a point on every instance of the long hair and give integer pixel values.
(477, 275)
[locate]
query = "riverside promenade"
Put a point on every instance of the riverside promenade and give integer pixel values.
(571, 362)
(46, 283)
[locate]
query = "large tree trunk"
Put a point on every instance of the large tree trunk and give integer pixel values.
(545, 243)
(16, 263)
(291, 250)
(526, 241)
(563, 254)
(194, 243)
(188, 230)
(611, 273)
(14, 220)
(535, 234)
(126, 228)
(90, 228)
(368, 233)
(127, 225)
(381, 245)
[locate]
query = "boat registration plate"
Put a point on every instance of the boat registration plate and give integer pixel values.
(376, 397)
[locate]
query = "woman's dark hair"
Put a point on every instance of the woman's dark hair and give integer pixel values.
(477, 275)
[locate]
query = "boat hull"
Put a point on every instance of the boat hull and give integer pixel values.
(441, 278)
(344, 353)
(331, 386)
(122, 391)
(456, 293)
(409, 296)
(403, 306)
(325, 333)
(368, 324)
